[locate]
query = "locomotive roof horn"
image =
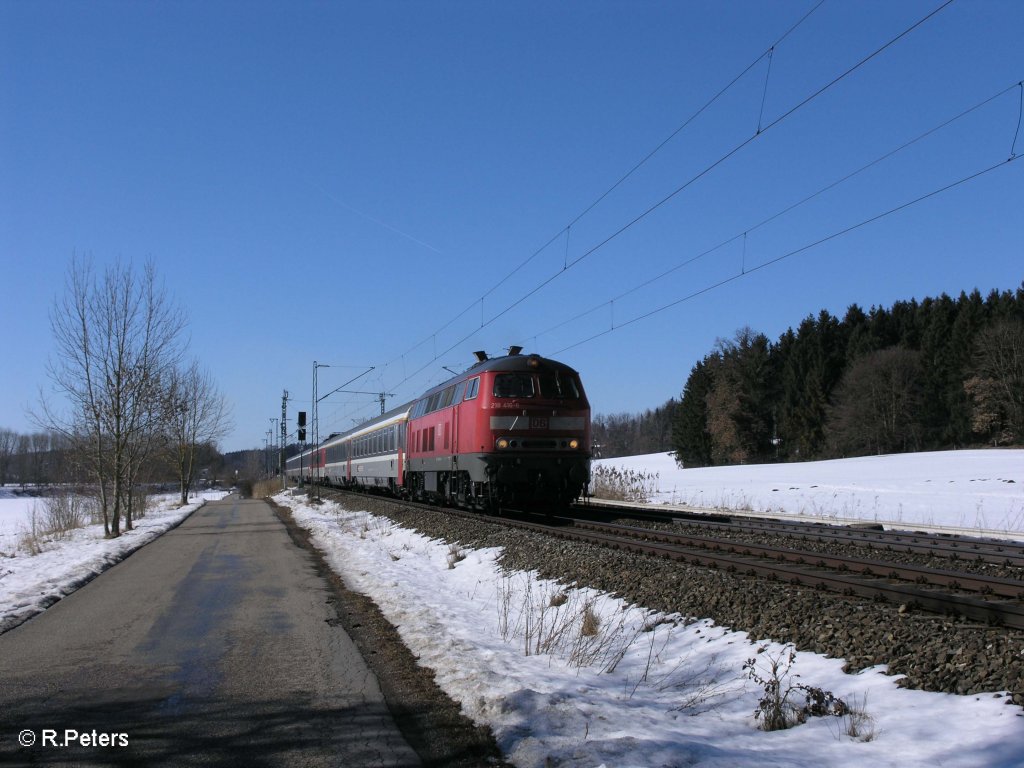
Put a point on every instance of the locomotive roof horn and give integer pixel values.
(480, 355)
(514, 350)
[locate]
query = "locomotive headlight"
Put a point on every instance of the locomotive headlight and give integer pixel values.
(574, 444)
(502, 443)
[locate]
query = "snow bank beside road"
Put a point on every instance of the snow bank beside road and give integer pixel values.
(677, 694)
(29, 584)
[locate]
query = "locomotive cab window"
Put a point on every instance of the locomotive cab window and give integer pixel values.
(513, 385)
(558, 386)
(472, 388)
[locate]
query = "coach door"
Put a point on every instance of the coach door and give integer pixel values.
(460, 390)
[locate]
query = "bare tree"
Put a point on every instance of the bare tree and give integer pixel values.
(997, 388)
(22, 460)
(197, 415)
(8, 444)
(117, 339)
(877, 403)
(40, 458)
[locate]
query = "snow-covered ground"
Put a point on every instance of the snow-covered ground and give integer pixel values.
(671, 696)
(30, 583)
(674, 695)
(979, 491)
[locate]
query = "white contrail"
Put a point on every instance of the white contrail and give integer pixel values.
(368, 217)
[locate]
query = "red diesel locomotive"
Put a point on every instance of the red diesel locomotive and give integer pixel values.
(510, 431)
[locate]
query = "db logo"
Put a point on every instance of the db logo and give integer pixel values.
(538, 422)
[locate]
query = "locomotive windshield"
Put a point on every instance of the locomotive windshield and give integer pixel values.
(555, 386)
(513, 385)
(551, 385)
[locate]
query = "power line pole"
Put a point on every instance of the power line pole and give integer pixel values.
(284, 438)
(315, 426)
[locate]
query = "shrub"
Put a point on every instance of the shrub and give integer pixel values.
(618, 484)
(777, 709)
(64, 511)
(262, 489)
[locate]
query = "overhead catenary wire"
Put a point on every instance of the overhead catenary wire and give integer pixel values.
(567, 264)
(1020, 113)
(643, 161)
(794, 252)
(643, 215)
(790, 208)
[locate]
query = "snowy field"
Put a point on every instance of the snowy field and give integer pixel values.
(978, 491)
(31, 583)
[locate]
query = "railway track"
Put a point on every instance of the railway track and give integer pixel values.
(954, 547)
(986, 599)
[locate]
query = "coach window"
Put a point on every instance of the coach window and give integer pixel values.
(446, 397)
(472, 388)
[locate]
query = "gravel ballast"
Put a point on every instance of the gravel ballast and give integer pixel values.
(934, 653)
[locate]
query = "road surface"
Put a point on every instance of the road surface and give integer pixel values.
(213, 645)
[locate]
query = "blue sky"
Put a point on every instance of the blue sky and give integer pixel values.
(351, 182)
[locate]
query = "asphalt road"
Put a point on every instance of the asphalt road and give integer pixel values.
(213, 645)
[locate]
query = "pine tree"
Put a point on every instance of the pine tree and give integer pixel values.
(691, 440)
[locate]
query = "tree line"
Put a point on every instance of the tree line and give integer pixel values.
(29, 459)
(940, 373)
(125, 403)
(628, 434)
(38, 460)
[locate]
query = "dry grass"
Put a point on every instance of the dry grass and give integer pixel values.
(617, 484)
(262, 489)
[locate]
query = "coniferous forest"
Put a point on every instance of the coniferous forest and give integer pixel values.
(940, 373)
(929, 375)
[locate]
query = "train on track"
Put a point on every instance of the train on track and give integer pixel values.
(509, 432)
